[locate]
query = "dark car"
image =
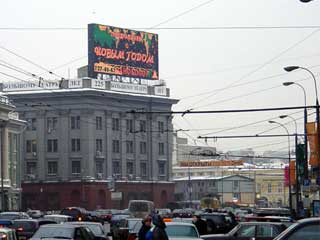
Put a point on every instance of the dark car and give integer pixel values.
(218, 222)
(25, 228)
(77, 213)
(63, 231)
(96, 228)
(250, 230)
(305, 229)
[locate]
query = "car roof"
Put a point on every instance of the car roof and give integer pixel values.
(261, 223)
(180, 224)
(306, 220)
(57, 215)
(58, 226)
(25, 220)
(84, 223)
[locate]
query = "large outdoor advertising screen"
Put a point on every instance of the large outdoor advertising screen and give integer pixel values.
(122, 52)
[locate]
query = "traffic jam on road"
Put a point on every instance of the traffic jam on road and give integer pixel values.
(141, 220)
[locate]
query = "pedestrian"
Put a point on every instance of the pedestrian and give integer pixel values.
(157, 232)
(200, 224)
(146, 226)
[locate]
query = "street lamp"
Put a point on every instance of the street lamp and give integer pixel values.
(292, 68)
(296, 150)
(289, 157)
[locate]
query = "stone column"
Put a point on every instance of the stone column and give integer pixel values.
(5, 150)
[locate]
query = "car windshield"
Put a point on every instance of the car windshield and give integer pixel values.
(9, 216)
(57, 232)
(96, 229)
(181, 231)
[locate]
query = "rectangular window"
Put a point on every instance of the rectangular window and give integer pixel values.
(52, 124)
(129, 146)
(52, 145)
(235, 184)
(75, 122)
(116, 167)
(99, 145)
(31, 124)
(259, 187)
(143, 125)
(31, 146)
(130, 168)
(160, 127)
(115, 124)
(115, 146)
(280, 185)
(143, 147)
(269, 188)
(162, 170)
(143, 169)
(52, 168)
(129, 125)
(31, 168)
(75, 145)
(76, 167)
(161, 148)
(98, 123)
(99, 167)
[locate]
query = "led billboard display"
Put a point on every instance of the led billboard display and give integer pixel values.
(122, 52)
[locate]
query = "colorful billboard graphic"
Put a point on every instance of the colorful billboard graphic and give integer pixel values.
(122, 52)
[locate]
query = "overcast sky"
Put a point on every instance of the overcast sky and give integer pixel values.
(192, 61)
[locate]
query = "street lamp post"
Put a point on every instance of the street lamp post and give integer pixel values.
(305, 126)
(289, 157)
(296, 150)
(292, 68)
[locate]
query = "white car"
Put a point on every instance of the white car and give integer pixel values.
(180, 230)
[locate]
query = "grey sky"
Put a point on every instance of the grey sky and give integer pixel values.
(191, 61)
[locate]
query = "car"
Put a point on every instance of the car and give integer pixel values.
(125, 227)
(96, 228)
(7, 234)
(14, 215)
(182, 213)
(179, 230)
(218, 222)
(77, 213)
(250, 230)
(58, 218)
(305, 229)
(35, 213)
(25, 228)
(63, 231)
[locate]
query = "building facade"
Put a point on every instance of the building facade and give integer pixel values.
(11, 128)
(85, 143)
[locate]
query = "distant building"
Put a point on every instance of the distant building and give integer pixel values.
(85, 147)
(228, 188)
(11, 128)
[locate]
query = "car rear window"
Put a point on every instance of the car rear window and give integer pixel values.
(181, 231)
(54, 232)
(25, 226)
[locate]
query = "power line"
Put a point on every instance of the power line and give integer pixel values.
(263, 65)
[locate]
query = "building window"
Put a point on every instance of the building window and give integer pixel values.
(129, 146)
(143, 125)
(75, 122)
(129, 125)
(143, 147)
(31, 168)
(52, 145)
(115, 124)
(52, 124)
(160, 127)
(235, 184)
(31, 146)
(31, 124)
(236, 195)
(259, 187)
(98, 123)
(76, 167)
(52, 168)
(99, 167)
(75, 145)
(116, 168)
(161, 148)
(280, 185)
(115, 146)
(269, 190)
(99, 145)
(162, 170)
(143, 169)
(130, 168)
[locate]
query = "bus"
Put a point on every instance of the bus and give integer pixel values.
(140, 208)
(210, 202)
